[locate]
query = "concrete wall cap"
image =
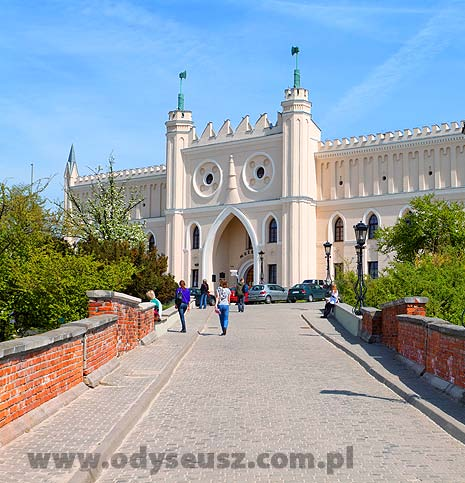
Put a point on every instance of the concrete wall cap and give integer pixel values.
(110, 294)
(144, 306)
(405, 300)
(40, 341)
(370, 310)
(452, 330)
(95, 322)
(413, 319)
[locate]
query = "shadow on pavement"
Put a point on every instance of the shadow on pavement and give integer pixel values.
(343, 392)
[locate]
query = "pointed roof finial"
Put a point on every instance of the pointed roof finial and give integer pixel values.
(295, 51)
(182, 75)
(71, 157)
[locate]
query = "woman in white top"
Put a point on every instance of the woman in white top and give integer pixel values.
(223, 298)
(333, 300)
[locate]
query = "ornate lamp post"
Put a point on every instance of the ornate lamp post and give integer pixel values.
(327, 247)
(360, 288)
(261, 253)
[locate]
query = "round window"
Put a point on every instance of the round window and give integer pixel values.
(260, 172)
(209, 179)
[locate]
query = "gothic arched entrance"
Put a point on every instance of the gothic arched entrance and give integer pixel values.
(248, 276)
(230, 248)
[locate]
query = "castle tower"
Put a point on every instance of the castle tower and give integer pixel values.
(300, 141)
(178, 136)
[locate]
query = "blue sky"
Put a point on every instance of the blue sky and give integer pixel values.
(104, 74)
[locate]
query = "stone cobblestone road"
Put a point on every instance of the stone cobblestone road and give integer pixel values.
(273, 387)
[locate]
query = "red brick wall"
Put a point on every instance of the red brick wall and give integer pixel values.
(35, 369)
(100, 347)
(371, 324)
(411, 341)
(130, 327)
(29, 379)
(390, 326)
(146, 322)
(446, 357)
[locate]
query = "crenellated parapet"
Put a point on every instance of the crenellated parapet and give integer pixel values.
(125, 174)
(244, 130)
(387, 138)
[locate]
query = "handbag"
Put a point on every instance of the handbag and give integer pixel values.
(178, 300)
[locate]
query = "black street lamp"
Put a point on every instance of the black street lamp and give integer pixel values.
(360, 287)
(327, 247)
(261, 253)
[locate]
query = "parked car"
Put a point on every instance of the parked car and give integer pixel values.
(306, 291)
(267, 292)
(234, 298)
(316, 281)
(195, 292)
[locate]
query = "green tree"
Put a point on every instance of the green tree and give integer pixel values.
(105, 214)
(427, 228)
(152, 274)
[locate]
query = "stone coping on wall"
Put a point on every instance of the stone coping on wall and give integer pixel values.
(95, 322)
(370, 310)
(117, 296)
(33, 342)
(421, 320)
(144, 306)
(405, 300)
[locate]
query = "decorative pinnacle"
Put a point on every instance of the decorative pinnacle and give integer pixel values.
(182, 75)
(295, 51)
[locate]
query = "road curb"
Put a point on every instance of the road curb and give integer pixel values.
(133, 414)
(441, 418)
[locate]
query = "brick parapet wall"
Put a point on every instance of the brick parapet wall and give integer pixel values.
(36, 369)
(100, 341)
(446, 352)
(390, 311)
(434, 344)
(371, 324)
(135, 320)
(146, 319)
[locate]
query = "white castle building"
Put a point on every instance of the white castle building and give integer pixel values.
(263, 198)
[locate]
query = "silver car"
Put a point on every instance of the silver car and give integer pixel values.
(267, 292)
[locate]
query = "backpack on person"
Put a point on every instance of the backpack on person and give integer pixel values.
(245, 288)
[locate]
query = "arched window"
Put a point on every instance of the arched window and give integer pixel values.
(372, 226)
(196, 238)
(273, 232)
(339, 230)
(151, 242)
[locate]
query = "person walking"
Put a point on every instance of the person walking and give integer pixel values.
(203, 294)
(240, 295)
(223, 300)
(332, 301)
(182, 302)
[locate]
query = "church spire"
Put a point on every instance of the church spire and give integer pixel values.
(71, 157)
(295, 51)
(182, 75)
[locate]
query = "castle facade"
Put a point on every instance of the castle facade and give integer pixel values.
(260, 200)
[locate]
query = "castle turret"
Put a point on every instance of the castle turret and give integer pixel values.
(178, 130)
(300, 141)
